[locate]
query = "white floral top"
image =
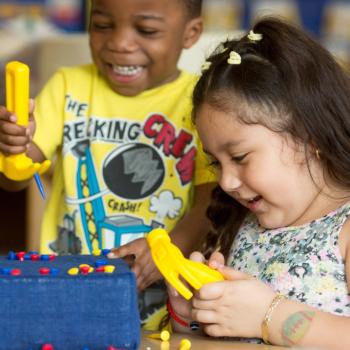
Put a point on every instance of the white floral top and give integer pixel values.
(303, 262)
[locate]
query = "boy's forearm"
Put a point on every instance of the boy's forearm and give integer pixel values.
(194, 225)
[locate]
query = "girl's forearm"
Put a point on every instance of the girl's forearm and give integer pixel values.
(296, 324)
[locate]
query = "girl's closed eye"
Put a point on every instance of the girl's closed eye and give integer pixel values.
(214, 163)
(239, 159)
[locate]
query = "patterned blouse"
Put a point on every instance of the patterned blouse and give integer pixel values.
(302, 262)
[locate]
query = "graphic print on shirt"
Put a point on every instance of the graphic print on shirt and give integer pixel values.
(108, 202)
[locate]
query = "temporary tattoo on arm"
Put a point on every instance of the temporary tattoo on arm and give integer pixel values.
(295, 327)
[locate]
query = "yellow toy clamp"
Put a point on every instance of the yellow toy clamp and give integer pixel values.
(19, 167)
(172, 264)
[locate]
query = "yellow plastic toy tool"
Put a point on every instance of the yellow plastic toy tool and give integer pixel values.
(19, 167)
(171, 263)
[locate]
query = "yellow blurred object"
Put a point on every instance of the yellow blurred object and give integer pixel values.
(163, 335)
(171, 264)
(185, 344)
(19, 167)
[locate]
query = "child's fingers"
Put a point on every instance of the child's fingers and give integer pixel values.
(6, 115)
(197, 256)
(171, 290)
(13, 130)
(14, 139)
(216, 260)
(31, 107)
(8, 150)
(13, 134)
(120, 252)
(231, 274)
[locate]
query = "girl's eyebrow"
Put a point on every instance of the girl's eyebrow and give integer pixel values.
(224, 146)
(231, 144)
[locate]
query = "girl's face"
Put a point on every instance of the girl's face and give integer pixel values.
(261, 169)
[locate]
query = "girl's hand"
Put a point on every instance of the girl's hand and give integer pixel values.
(142, 263)
(235, 307)
(15, 139)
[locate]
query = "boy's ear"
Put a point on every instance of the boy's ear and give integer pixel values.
(193, 31)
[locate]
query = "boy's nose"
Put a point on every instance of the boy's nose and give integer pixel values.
(122, 40)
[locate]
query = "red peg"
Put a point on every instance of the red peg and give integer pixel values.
(20, 255)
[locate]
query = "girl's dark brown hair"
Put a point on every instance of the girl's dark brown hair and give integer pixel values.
(300, 89)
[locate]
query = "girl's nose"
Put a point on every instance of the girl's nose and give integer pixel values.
(229, 181)
(122, 40)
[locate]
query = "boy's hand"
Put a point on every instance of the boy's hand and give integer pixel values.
(181, 306)
(15, 139)
(143, 265)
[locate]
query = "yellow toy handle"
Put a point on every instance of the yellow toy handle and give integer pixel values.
(19, 167)
(171, 263)
(17, 91)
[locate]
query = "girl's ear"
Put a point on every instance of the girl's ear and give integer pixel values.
(193, 31)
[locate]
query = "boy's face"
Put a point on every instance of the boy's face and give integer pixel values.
(136, 43)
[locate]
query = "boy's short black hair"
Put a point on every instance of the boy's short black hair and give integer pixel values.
(193, 7)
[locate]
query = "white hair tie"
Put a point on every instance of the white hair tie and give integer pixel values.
(254, 36)
(234, 58)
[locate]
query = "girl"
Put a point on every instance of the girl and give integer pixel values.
(273, 113)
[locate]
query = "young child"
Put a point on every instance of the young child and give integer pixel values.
(272, 111)
(121, 135)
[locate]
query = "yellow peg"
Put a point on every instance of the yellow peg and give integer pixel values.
(20, 167)
(163, 335)
(171, 263)
(185, 344)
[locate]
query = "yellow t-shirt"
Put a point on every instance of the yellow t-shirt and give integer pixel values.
(123, 165)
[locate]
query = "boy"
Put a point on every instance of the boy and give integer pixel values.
(121, 134)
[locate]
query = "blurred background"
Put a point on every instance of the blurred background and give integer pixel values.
(48, 33)
(326, 19)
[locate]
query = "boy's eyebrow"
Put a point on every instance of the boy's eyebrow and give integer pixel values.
(141, 16)
(151, 16)
(98, 12)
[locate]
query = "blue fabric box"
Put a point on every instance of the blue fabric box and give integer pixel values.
(93, 311)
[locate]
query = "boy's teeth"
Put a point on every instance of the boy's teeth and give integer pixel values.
(127, 70)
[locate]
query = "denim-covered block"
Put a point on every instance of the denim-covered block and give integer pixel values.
(71, 312)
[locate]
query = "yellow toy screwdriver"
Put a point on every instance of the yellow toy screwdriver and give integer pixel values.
(19, 167)
(171, 263)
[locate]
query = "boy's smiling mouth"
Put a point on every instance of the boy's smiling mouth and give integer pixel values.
(125, 75)
(127, 70)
